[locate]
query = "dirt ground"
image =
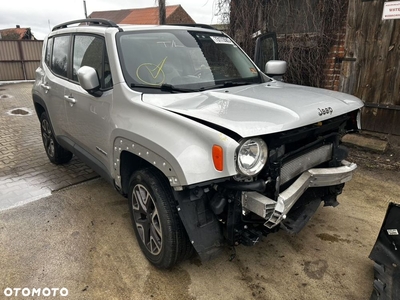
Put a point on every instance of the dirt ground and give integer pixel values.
(81, 238)
(378, 162)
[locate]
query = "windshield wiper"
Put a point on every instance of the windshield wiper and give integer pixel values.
(226, 84)
(170, 88)
(164, 87)
(235, 83)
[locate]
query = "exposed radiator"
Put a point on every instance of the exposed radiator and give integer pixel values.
(305, 162)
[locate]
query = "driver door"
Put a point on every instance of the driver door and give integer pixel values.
(266, 49)
(89, 116)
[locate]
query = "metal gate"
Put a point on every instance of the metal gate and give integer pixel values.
(19, 59)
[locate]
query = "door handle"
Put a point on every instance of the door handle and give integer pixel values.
(70, 99)
(46, 87)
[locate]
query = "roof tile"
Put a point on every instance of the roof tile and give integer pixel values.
(143, 16)
(16, 34)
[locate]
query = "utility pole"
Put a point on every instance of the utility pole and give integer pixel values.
(84, 7)
(161, 12)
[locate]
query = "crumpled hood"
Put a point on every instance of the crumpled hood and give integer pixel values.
(259, 109)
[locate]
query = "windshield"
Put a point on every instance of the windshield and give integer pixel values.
(183, 60)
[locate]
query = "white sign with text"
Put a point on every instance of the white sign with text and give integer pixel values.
(391, 10)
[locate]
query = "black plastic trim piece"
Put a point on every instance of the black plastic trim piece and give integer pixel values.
(204, 26)
(202, 226)
(257, 186)
(85, 157)
(66, 143)
(37, 100)
(91, 22)
(386, 254)
(93, 163)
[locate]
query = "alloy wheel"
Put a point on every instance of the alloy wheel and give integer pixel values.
(147, 219)
(48, 138)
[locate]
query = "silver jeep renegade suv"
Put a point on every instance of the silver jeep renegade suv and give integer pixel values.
(208, 149)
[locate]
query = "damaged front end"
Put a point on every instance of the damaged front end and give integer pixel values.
(304, 167)
(274, 212)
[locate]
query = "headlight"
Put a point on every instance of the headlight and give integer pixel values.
(252, 156)
(359, 119)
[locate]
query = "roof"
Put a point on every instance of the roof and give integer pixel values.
(145, 16)
(16, 34)
(113, 15)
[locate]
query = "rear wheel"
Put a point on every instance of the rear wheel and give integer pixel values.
(56, 154)
(157, 225)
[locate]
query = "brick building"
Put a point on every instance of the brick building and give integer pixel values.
(16, 33)
(175, 14)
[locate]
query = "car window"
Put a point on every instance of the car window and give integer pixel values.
(59, 64)
(181, 58)
(49, 49)
(90, 51)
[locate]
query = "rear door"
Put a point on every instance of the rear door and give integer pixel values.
(54, 80)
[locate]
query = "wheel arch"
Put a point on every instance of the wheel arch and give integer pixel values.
(130, 163)
(129, 156)
(40, 106)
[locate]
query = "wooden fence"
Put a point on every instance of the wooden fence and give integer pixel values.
(19, 59)
(371, 68)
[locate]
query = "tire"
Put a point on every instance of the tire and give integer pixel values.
(157, 225)
(56, 154)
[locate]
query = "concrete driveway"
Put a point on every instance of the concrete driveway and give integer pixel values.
(80, 239)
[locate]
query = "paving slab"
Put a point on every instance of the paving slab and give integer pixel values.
(366, 142)
(26, 174)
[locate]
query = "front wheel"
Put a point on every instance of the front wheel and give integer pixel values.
(157, 225)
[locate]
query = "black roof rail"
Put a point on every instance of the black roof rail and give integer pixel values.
(205, 26)
(92, 22)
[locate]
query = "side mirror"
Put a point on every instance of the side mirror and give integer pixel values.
(89, 80)
(275, 68)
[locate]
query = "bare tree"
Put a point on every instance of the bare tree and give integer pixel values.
(307, 29)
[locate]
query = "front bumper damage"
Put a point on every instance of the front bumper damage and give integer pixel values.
(274, 212)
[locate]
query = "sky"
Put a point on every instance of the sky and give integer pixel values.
(42, 15)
